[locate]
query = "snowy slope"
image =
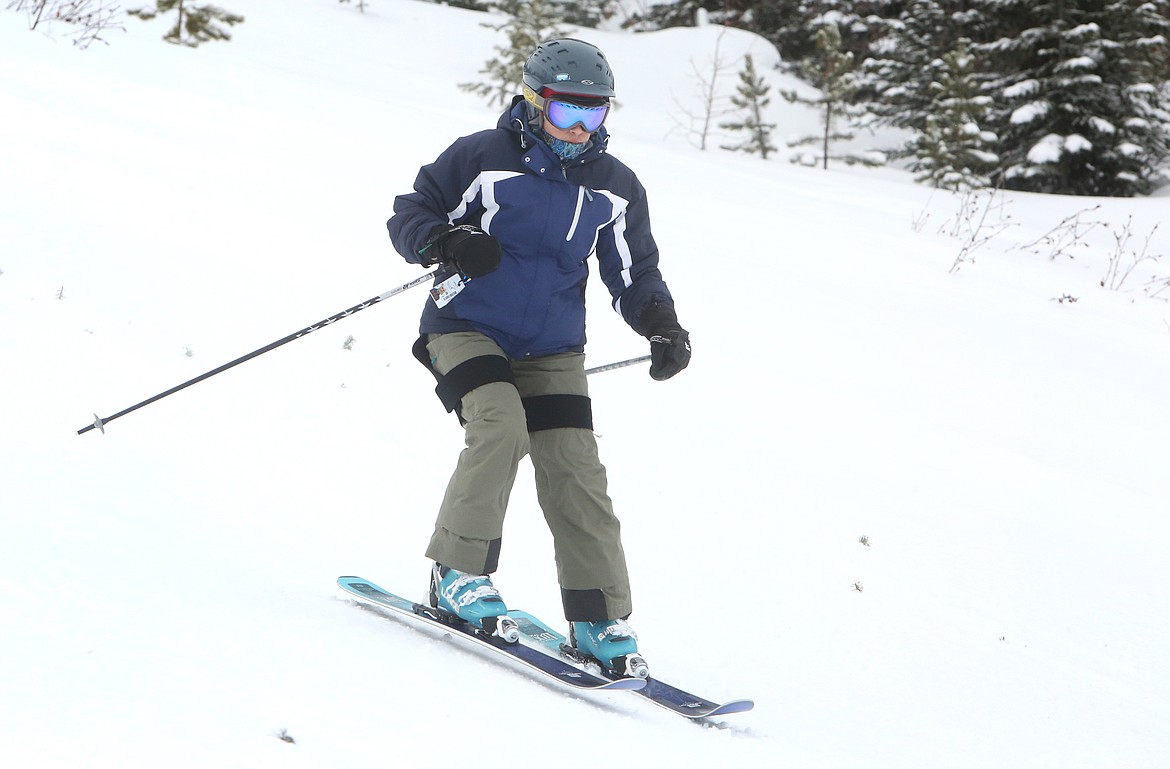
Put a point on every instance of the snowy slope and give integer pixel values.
(166, 589)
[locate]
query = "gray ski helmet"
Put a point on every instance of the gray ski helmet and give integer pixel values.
(568, 66)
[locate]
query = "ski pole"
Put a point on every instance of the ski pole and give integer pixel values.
(618, 364)
(101, 423)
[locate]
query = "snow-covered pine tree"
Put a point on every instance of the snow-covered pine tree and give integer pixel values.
(896, 78)
(1142, 141)
(784, 23)
(529, 23)
(1079, 94)
(194, 23)
(586, 13)
(674, 13)
(862, 23)
(751, 98)
(830, 71)
(953, 152)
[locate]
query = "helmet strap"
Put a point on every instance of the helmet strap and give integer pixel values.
(535, 117)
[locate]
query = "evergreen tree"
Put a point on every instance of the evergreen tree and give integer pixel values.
(1079, 92)
(530, 23)
(896, 79)
(586, 13)
(831, 72)
(751, 97)
(467, 5)
(194, 23)
(680, 13)
(1141, 64)
(862, 24)
(784, 23)
(953, 152)
(1080, 89)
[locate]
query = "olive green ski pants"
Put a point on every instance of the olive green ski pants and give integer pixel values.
(543, 413)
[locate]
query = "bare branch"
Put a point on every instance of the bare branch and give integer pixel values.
(90, 18)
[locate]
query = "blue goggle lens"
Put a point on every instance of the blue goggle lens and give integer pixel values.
(565, 115)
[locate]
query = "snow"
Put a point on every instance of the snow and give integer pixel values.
(1030, 112)
(996, 432)
(1053, 147)
(1077, 62)
(1024, 88)
(1129, 149)
(1047, 150)
(1089, 30)
(1102, 126)
(1074, 143)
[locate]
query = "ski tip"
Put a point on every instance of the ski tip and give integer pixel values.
(734, 706)
(350, 582)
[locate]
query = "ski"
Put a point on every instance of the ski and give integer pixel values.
(533, 656)
(660, 693)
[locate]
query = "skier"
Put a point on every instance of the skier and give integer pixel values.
(510, 215)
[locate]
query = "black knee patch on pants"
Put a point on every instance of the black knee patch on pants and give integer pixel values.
(547, 412)
(471, 374)
(584, 605)
(468, 375)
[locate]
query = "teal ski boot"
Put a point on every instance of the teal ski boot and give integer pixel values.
(474, 599)
(611, 643)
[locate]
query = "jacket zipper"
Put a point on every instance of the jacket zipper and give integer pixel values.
(577, 213)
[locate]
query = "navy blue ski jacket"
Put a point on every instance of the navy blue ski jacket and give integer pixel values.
(548, 219)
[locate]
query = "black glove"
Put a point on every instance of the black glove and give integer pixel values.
(670, 344)
(471, 250)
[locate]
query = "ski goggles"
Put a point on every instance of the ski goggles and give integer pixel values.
(565, 115)
(564, 112)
